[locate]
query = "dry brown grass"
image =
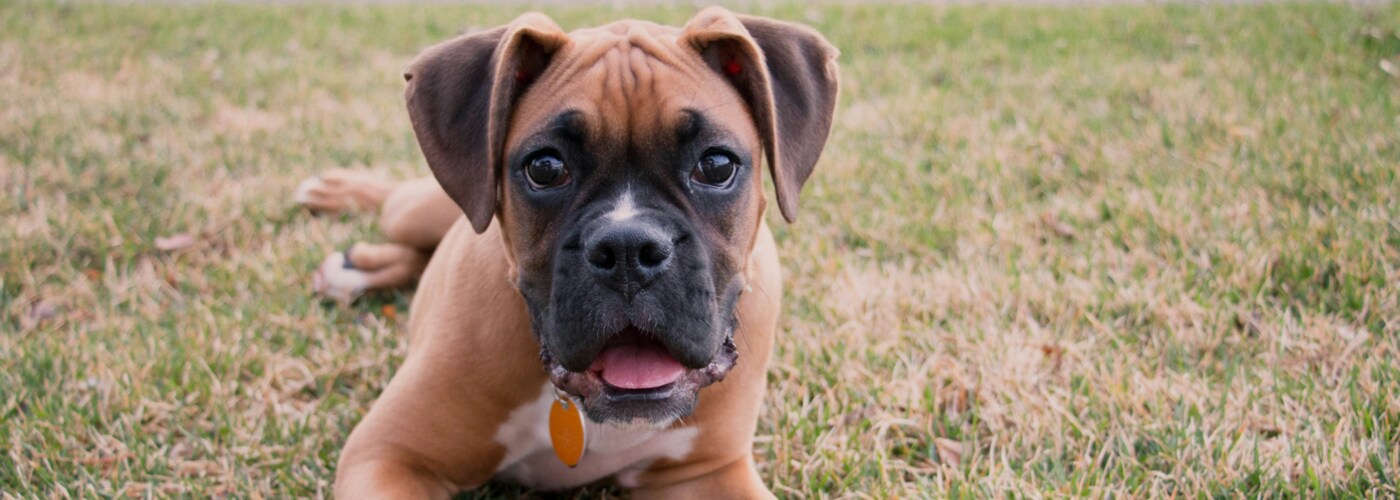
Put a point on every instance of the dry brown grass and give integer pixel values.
(1143, 250)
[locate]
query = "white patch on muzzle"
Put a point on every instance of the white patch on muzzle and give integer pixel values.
(624, 208)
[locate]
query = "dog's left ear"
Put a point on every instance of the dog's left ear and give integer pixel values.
(460, 96)
(787, 74)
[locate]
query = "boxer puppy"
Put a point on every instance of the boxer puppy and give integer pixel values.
(628, 278)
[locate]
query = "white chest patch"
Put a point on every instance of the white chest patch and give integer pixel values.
(612, 451)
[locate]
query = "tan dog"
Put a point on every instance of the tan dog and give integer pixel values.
(629, 268)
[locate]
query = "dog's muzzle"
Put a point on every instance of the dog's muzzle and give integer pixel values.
(634, 378)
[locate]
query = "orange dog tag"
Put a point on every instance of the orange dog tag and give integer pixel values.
(566, 430)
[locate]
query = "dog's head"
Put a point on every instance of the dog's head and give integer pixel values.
(621, 162)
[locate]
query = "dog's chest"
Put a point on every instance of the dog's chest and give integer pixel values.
(612, 451)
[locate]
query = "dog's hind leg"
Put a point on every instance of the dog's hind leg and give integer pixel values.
(338, 191)
(343, 276)
(418, 213)
(415, 215)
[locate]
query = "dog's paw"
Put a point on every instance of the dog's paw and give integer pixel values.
(303, 194)
(338, 279)
(338, 191)
(322, 196)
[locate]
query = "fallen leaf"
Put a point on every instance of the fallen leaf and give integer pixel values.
(1054, 353)
(136, 490)
(949, 452)
(144, 490)
(199, 468)
(38, 312)
(1390, 68)
(41, 310)
(391, 313)
(1061, 229)
(174, 242)
(1239, 132)
(104, 461)
(958, 402)
(854, 417)
(1269, 431)
(1249, 322)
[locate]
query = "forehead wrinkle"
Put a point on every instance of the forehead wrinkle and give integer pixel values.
(591, 47)
(629, 68)
(568, 124)
(642, 76)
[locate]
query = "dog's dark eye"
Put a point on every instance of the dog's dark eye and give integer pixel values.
(716, 169)
(546, 171)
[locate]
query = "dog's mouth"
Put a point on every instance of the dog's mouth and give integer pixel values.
(635, 377)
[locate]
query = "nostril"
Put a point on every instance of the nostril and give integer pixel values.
(653, 254)
(602, 257)
(628, 257)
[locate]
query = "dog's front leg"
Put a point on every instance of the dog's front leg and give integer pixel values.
(422, 439)
(390, 477)
(433, 432)
(471, 362)
(738, 479)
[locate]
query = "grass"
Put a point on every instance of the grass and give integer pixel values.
(1109, 251)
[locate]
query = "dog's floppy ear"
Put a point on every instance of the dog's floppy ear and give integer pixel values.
(460, 94)
(787, 74)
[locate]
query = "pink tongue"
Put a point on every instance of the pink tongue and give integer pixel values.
(638, 366)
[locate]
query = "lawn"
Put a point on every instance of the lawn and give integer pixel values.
(1123, 250)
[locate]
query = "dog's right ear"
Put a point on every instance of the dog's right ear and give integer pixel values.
(460, 95)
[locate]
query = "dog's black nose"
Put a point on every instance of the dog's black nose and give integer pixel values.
(628, 257)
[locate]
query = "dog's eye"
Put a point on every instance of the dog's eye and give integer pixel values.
(546, 171)
(716, 169)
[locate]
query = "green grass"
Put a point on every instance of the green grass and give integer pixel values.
(1127, 251)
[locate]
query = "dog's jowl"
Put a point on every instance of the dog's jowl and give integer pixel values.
(613, 259)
